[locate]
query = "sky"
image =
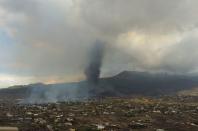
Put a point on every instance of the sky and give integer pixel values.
(48, 40)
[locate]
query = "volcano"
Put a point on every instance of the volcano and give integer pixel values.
(125, 84)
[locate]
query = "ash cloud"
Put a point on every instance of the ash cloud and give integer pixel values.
(93, 69)
(52, 38)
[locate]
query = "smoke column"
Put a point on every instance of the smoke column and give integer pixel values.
(92, 71)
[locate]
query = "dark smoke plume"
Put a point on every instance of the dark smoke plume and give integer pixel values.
(92, 71)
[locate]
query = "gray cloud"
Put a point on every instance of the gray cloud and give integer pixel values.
(53, 37)
(115, 16)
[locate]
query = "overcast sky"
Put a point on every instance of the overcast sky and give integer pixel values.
(48, 40)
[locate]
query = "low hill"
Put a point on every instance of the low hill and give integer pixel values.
(127, 83)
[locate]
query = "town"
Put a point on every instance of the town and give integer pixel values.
(108, 114)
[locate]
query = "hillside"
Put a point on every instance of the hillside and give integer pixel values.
(127, 83)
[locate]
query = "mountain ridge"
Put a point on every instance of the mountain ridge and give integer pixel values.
(126, 83)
